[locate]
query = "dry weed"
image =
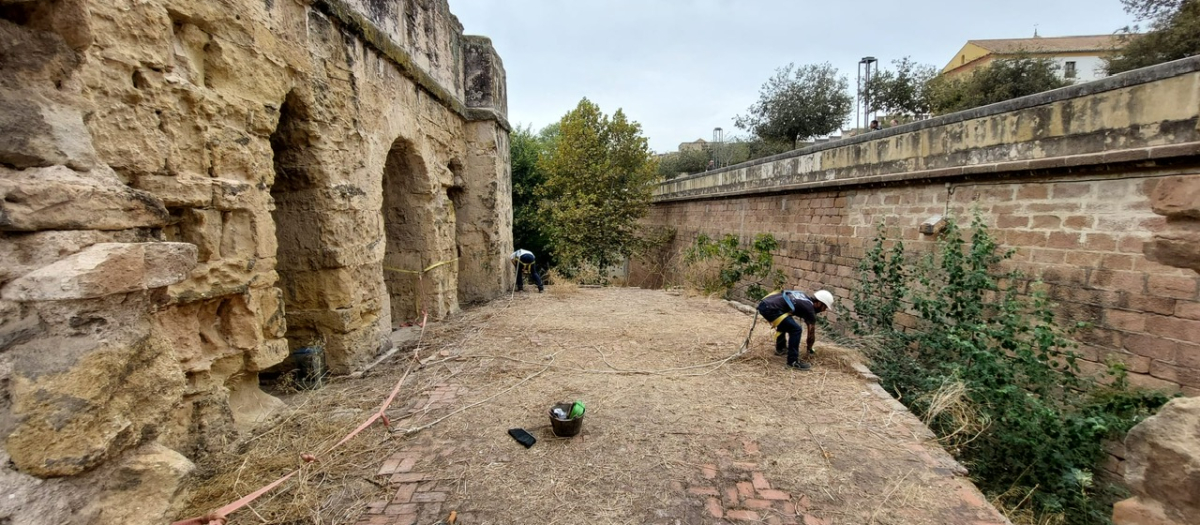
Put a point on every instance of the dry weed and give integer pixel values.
(952, 401)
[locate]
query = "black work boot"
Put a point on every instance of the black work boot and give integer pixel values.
(799, 365)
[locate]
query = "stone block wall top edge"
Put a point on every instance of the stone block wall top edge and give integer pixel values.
(363, 28)
(693, 189)
(1124, 80)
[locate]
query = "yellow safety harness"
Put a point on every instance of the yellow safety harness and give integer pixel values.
(778, 320)
(775, 324)
(524, 265)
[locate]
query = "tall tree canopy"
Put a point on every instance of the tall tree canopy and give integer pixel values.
(599, 175)
(1174, 33)
(902, 89)
(1001, 80)
(526, 150)
(799, 103)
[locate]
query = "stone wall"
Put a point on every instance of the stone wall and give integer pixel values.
(1064, 177)
(1162, 453)
(188, 190)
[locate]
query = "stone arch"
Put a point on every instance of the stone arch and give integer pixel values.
(297, 214)
(407, 218)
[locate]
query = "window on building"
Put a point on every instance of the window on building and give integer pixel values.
(1069, 70)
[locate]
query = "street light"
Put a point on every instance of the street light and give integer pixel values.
(864, 91)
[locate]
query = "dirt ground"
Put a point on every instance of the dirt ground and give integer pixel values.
(679, 429)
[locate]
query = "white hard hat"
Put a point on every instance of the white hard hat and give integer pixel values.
(825, 297)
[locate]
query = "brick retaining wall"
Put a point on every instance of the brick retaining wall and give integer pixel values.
(1063, 177)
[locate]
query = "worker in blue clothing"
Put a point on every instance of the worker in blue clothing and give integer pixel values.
(781, 310)
(523, 260)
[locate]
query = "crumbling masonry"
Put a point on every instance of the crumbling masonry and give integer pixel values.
(190, 188)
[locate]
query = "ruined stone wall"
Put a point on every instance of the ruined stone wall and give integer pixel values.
(1065, 178)
(190, 189)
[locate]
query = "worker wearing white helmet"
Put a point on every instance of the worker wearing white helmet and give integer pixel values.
(781, 309)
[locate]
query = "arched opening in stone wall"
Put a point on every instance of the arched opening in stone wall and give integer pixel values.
(457, 195)
(406, 194)
(297, 218)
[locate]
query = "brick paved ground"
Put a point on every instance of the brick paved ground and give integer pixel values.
(732, 488)
(752, 443)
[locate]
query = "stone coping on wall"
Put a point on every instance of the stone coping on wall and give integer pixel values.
(373, 36)
(1035, 167)
(770, 174)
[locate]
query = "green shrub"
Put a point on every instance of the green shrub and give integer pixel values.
(993, 374)
(720, 266)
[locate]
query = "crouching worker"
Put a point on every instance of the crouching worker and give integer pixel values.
(782, 309)
(523, 260)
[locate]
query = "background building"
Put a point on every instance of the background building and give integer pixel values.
(1080, 58)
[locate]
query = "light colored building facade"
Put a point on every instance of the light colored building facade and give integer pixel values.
(1079, 58)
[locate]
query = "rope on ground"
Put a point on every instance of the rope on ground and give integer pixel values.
(473, 405)
(220, 516)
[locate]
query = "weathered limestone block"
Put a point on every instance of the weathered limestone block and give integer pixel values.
(267, 304)
(140, 489)
(203, 332)
(349, 351)
(105, 269)
(236, 195)
(1162, 468)
(18, 323)
(132, 32)
(25, 252)
(202, 227)
(57, 198)
(34, 56)
(250, 405)
(266, 355)
(80, 401)
(129, 137)
(37, 132)
(35, 501)
(180, 191)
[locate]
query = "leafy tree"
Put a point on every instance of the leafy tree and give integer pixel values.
(1174, 34)
(799, 103)
(599, 175)
(528, 231)
(675, 163)
(1001, 80)
(902, 89)
(753, 267)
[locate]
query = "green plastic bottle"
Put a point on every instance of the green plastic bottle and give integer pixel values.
(576, 410)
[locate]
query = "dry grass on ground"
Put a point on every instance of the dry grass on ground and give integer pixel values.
(665, 391)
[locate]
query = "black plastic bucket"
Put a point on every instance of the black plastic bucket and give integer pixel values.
(310, 367)
(565, 427)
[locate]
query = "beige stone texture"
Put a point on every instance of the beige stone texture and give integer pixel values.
(189, 190)
(74, 415)
(58, 198)
(141, 486)
(105, 269)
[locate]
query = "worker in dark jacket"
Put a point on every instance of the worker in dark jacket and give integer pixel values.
(523, 260)
(782, 308)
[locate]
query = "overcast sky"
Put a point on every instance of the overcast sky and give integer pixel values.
(683, 67)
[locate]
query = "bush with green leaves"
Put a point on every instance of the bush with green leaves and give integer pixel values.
(730, 266)
(1020, 415)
